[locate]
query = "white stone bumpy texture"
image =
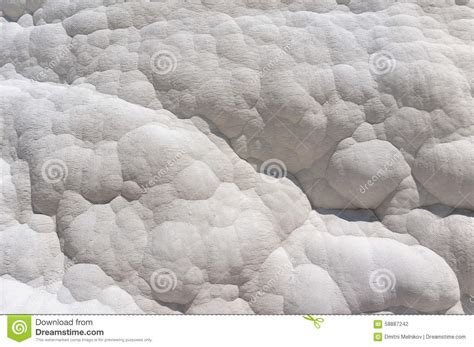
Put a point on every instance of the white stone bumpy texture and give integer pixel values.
(247, 156)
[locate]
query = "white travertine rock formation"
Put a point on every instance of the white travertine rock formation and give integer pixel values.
(249, 156)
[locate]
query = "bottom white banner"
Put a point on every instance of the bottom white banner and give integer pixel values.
(213, 330)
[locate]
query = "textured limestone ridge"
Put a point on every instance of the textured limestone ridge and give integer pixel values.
(135, 138)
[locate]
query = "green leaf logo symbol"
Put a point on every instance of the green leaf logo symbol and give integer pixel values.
(19, 327)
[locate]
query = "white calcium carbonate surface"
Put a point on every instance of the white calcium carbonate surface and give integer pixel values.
(247, 156)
